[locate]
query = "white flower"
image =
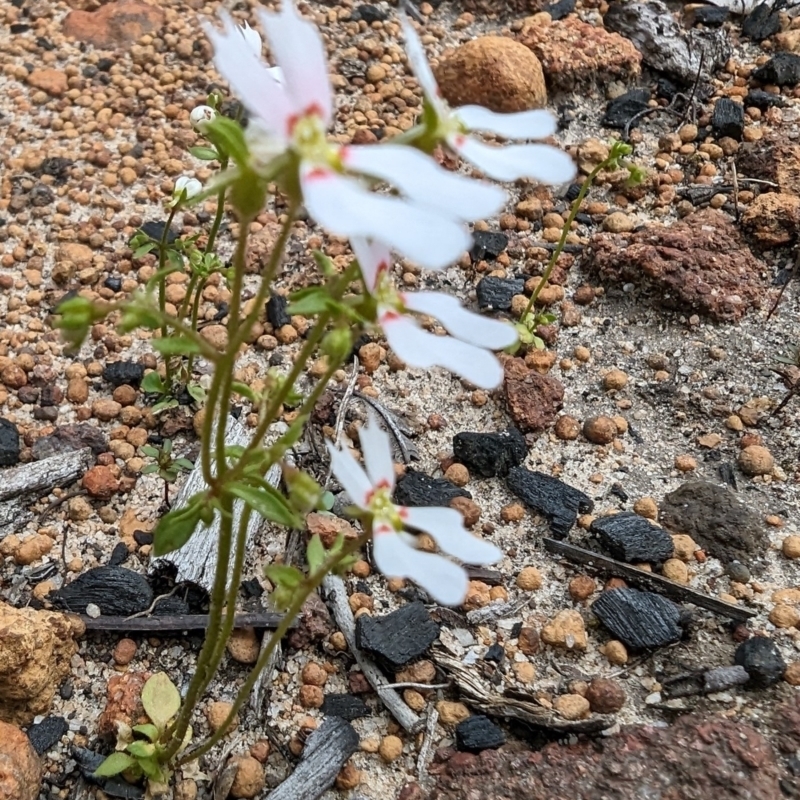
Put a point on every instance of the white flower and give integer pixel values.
(465, 352)
(426, 224)
(393, 548)
(186, 188)
(252, 39)
(508, 163)
(201, 116)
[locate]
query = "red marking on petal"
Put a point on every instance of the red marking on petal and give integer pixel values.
(390, 315)
(317, 173)
(382, 484)
(344, 153)
(460, 139)
(402, 512)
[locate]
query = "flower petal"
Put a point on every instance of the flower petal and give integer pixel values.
(424, 350)
(461, 323)
(349, 473)
(513, 161)
(252, 38)
(250, 80)
(443, 580)
(377, 453)
(298, 50)
(534, 124)
(420, 66)
(345, 208)
(373, 258)
(419, 177)
(446, 526)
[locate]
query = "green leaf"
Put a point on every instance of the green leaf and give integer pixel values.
(311, 301)
(266, 501)
(149, 450)
(229, 137)
(315, 553)
(327, 500)
(140, 749)
(152, 383)
(204, 153)
(176, 527)
(166, 447)
(149, 469)
(183, 463)
(244, 390)
(149, 730)
(143, 250)
(150, 768)
(196, 392)
(161, 700)
(325, 264)
(234, 451)
(165, 405)
(283, 575)
(114, 764)
(176, 346)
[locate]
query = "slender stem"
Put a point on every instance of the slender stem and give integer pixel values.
(564, 233)
(187, 299)
(309, 585)
(212, 234)
(198, 296)
(207, 349)
(162, 289)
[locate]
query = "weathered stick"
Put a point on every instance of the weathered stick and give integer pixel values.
(325, 753)
(655, 583)
(175, 623)
(337, 594)
(196, 561)
(19, 485)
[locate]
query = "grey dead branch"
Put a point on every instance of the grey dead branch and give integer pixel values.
(325, 753)
(22, 485)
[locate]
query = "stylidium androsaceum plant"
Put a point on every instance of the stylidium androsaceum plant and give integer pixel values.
(390, 199)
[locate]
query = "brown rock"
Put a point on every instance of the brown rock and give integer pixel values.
(575, 53)
(52, 81)
(772, 219)
(32, 549)
(600, 430)
(572, 706)
(605, 696)
(117, 24)
(700, 263)
(124, 652)
(528, 640)
(328, 527)
(244, 646)
(774, 158)
(756, 460)
(101, 482)
(20, 768)
(123, 703)
(534, 400)
(495, 72)
(250, 778)
(566, 629)
(35, 652)
(216, 714)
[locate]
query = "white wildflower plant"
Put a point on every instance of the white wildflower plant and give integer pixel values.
(394, 547)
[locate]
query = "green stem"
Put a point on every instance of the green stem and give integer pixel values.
(198, 296)
(162, 289)
(207, 350)
(576, 205)
(309, 585)
(212, 234)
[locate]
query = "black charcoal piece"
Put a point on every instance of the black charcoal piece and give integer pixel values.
(495, 653)
(710, 16)
(171, 606)
(113, 282)
(496, 293)
(9, 443)
(88, 761)
(621, 110)
(155, 230)
(763, 21)
(119, 555)
(490, 454)
(478, 733)
(758, 98)
(397, 638)
(666, 89)
(369, 14)
(418, 489)
(560, 9)
(782, 69)
(631, 538)
(116, 591)
(47, 733)
(638, 619)
(345, 706)
(554, 499)
(487, 245)
(728, 119)
(277, 315)
(721, 678)
(761, 660)
(118, 373)
(67, 438)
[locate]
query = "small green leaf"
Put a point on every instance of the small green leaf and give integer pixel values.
(315, 553)
(166, 447)
(266, 501)
(204, 153)
(165, 405)
(234, 450)
(143, 250)
(327, 500)
(176, 527)
(244, 390)
(149, 469)
(184, 464)
(149, 450)
(161, 700)
(140, 749)
(176, 346)
(149, 730)
(114, 764)
(311, 301)
(229, 138)
(150, 767)
(152, 383)
(325, 264)
(196, 392)
(283, 575)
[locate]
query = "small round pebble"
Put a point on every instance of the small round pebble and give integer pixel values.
(391, 748)
(600, 430)
(614, 380)
(581, 588)
(524, 672)
(217, 712)
(792, 674)
(567, 428)
(616, 653)
(313, 674)
(784, 616)
(311, 696)
(675, 570)
(738, 572)
(529, 579)
(457, 474)
(646, 507)
(685, 546)
(572, 706)
(250, 778)
(605, 696)
(244, 646)
(124, 652)
(791, 547)
(514, 512)
(348, 778)
(685, 463)
(756, 460)
(451, 712)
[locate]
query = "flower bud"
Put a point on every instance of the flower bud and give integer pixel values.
(201, 116)
(186, 188)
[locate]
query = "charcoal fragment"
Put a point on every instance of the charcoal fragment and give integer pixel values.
(478, 733)
(369, 14)
(721, 678)
(398, 638)
(9, 443)
(495, 653)
(621, 110)
(155, 229)
(490, 454)
(762, 661)
(639, 620)
(763, 21)
(116, 591)
(119, 555)
(118, 373)
(277, 315)
(710, 16)
(45, 734)
(345, 706)
(728, 119)
(67, 438)
(418, 489)
(758, 98)
(631, 538)
(559, 502)
(782, 69)
(171, 605)
(487, 245)
(497, 293)
(88, 761)
(560, 9)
